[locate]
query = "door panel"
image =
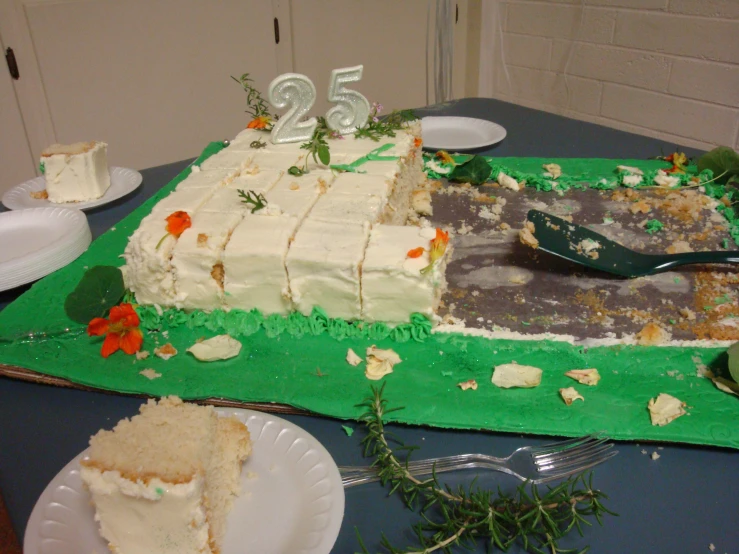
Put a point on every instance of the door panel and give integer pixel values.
(16, 163)
(150, 78)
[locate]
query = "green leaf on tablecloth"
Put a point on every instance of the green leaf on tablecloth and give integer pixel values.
(723, 161)
(476, 171)
(100, 288)
(733, 353)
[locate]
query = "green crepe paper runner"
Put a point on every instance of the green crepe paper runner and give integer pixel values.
(309, 371)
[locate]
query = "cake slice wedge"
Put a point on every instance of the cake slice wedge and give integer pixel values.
(164, 481)
(76, 172)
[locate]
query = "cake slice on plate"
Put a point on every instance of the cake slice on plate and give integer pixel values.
(164, 481)
(76, 172)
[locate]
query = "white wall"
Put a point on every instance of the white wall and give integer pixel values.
(662, 68)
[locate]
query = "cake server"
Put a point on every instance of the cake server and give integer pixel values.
(583, 246)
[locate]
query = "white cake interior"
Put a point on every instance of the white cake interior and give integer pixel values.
(76, 172)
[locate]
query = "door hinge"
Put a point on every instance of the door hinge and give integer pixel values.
(12, 64)
(277, 31)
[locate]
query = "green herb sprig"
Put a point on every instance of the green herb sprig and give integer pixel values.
(535, 519)
(255, 104)
(317, 148)
(257, 200)
(378, 127)
(257, 144)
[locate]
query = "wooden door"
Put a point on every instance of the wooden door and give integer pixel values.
(16, 163)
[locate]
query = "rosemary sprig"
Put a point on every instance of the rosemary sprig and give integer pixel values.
(255, 199)
(535, 519)
(317, 148)
(257, 144)
(378, 127)
(255, 104)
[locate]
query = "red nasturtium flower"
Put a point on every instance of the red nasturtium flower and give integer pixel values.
(417, 142)
(121, 330)
(416, 252)
(177, 223)
(261, 122)
(678, 160)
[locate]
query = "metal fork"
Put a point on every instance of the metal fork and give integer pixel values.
(537, 464)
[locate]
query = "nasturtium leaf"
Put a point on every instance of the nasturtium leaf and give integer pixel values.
(100, 288)
(324, 155)
(723, 161)
(733, 353)
(476, 171)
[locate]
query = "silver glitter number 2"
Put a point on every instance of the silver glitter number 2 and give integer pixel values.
(299, 94)
(352, 109)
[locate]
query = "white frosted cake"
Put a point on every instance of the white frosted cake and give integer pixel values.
(76, 172)
(261, 237)
(164, 481)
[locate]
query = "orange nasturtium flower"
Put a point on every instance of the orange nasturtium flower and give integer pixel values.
(444, 156)
(177, 223)
(678, 160)
(121, 330)
(438, 248)
(261, 122)
(416, 252)
(417, 142)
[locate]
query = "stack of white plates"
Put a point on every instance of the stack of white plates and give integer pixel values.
(38, 241)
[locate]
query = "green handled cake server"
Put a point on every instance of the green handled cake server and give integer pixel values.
(581, 245)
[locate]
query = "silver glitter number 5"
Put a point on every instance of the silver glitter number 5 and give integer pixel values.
(352, 109)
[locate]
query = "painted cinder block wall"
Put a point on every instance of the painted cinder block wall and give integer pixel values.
(662, 68)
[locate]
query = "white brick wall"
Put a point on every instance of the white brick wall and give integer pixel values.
(662, 68)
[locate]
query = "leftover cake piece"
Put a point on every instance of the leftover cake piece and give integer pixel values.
(395, 285)
(254, 264)
(164, 481)
(323, 267)
(197, 260)
(76, 172)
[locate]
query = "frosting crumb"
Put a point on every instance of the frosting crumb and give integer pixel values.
(588, 377)
(665, 409)
(526, 235)
(221, 347)
(352, 358)
(142, 354)
(569, 395)
(166, 351)
(150, 374)
(469, 384)
(507, 376)
(380, 362)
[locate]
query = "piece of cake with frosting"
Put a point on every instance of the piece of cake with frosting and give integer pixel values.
(76, 172)
(164, 481)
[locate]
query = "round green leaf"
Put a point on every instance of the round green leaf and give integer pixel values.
(476, 171)
(324, 155)
(733, 353)
(100, 288)
(723, 161)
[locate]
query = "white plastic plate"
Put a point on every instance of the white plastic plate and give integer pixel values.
(37, 241)
(122, 182)
(292, 499)
(459, 133)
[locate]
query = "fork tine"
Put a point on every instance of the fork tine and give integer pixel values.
(557, 446)
(563, 455)
(576, 461)
(572, 471)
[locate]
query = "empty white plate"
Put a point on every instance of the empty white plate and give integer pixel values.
(122, 182)
(459, 133)
(38, 241)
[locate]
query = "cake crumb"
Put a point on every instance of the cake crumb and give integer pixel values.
(380, 362)
(588, 377)
(421, 202)
(652, 334)
(504, 226)
(469, 384)
(294, 186)
(150, 374)
(218, 274)
(526, 235)
(569, 395)
(202, 240)
(644, 451)
(142, 354)
(655, 456)
(352, 358)
(554, 170)
(678, 247)
(508, 182)
(687, 313)
(39, 194)
(165, 352)
(665, 408)
(712, 547)
(511, 375)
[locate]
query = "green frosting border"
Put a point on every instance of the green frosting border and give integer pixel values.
(297, 360)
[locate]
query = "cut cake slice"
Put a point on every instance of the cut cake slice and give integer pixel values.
(76, 172)
(164, 481)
